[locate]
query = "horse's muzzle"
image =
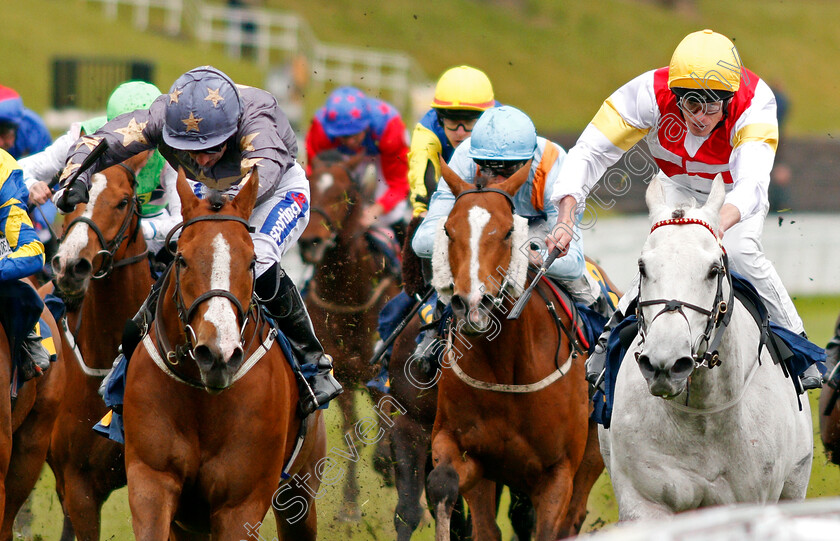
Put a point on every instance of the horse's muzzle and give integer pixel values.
(216, 372)
(478, 318)
(72, 276)
(665, 380)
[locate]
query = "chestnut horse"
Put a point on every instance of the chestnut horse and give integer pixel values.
(346, 292)
(102, 272)
(829, 397)
(210, 399)
(513, 406)
(412, 433)
(25, 426)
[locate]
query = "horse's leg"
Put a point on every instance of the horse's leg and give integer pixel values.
(454, 473)
(29, 451)
(481, 499)
(588, 472)
(295, 512)
(383, 457)
(521, 514)
(82, 506)
(551, 499)
(229, 522)
(830, 425)
(350, 509)
(410, 445)
(179, 534)
(152, 498)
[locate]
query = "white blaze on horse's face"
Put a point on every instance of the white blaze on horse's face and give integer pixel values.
(478, 218)
(677, 263)
(219, 310)
(73, 244)
(325, 182)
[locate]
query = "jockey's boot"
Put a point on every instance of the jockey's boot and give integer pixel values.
(811, 378)
(35, 357)
(137, 327)
(282, 301)
(596, 363)
(428, 349)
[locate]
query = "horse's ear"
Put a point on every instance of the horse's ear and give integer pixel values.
(716, 196)
(655, 197)
(516, 180)
(247, 197)
(139, 161)
(455, 183)
(188, 199)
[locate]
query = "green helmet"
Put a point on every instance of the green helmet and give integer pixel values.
(131, 96)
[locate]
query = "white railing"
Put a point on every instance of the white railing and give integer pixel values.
(273, 38)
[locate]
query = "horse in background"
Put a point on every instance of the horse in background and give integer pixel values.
(701, 415)
(102, 272)
(211, 400)
(349, 286)
(25, 425)
(829, 411)
(512, 404)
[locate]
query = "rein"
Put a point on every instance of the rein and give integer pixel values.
(718, 316)
(109, 249)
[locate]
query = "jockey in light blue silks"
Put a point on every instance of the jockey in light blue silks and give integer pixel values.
(503, 140)
(218, 131)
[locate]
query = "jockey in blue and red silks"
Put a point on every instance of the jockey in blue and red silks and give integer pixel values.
(703, 115)
(354, 123)
(218, 131)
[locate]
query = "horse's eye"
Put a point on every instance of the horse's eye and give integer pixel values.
(446, 232)
(714, 271)
(509, 233)
(642, 270)
(122, 204)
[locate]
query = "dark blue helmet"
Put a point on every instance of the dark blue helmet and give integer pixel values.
(346, 112)
(202, 110)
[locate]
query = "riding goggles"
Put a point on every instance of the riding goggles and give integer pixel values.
(695, 108)
(453, 125)
(499, 168)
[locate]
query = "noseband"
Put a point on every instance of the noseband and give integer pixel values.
(173, 356)
(717, 319)
(109, 249)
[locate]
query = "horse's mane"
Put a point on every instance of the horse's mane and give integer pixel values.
(217, 200)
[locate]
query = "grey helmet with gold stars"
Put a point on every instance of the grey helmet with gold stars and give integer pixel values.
(202, 110)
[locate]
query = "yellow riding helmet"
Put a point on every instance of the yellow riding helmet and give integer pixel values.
(705, 60)
(464, 88)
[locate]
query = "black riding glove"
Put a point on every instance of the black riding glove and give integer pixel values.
(72, 195)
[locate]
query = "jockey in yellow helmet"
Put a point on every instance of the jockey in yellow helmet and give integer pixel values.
(461, 95)
(703, 115)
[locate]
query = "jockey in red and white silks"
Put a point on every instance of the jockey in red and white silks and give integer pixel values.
(694, 131)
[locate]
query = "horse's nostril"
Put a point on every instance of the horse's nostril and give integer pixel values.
(645, 366)
(682, 368)
(458, 305)
(81, 268)
(56, 264)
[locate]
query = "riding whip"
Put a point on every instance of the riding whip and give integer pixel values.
(516, 311)
(380, 351)
(94, 155)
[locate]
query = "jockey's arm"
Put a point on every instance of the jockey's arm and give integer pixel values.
(127, 135)
(27, 253)
(393, 153)
(424, 151)
(39, 169)
(439, 208)
(316, 142)
(754, 141)
(621, 122)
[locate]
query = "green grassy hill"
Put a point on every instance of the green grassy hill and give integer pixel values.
(557, 60)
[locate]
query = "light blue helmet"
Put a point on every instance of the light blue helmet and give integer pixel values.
(503, 133)
(202, 111)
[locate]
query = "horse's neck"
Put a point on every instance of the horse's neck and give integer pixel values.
(738, 355)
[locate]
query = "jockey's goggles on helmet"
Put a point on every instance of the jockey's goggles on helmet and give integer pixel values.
(453, 125)
(700, 108)
(499, 168)
(218, 149)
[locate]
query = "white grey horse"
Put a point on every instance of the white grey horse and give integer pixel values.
(683, 435)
